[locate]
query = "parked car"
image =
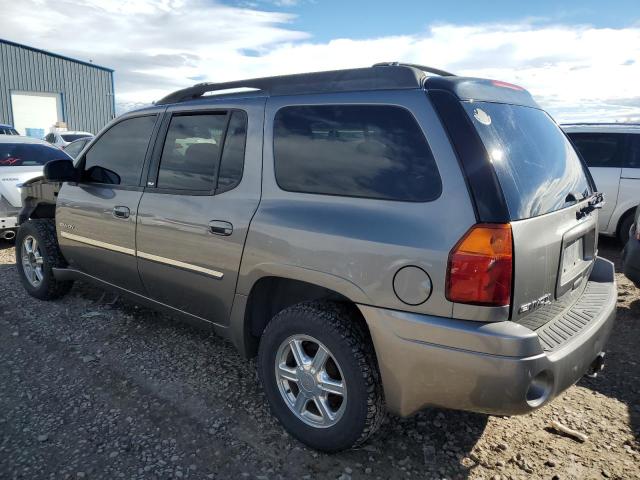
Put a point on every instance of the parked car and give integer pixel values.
(631, 252)
(612, 152)
(74, 148)
(64, 138)
(388, 235)
(7, 130)
(21, 159)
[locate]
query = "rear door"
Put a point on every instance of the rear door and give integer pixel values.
(547, 191)
(202, 192)
(96, 218)
(604, 154)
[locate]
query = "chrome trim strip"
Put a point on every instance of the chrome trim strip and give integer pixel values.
(177, 263)
(98, 243)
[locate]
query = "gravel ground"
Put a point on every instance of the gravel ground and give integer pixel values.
(93, 386)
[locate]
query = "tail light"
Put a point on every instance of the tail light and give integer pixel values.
(637, 230)
(481, 266)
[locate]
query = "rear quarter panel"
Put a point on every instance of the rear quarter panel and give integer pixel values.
(353, 245)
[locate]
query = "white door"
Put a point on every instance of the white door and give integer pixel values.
(608, 182)
(34, 113)
(603, 153)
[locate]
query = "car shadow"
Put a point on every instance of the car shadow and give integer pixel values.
(6, 244)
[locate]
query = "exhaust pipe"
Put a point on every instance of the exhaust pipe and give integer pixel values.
(596, 366)
(8, 235)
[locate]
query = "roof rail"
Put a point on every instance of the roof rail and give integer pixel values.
(393, 76)
(424, 68)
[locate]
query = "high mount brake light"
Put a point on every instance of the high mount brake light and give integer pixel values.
(498, 83)
(480, 266)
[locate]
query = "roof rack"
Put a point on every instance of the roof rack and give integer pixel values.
(394, 75)
(424, 68)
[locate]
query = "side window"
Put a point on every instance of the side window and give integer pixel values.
(191, 152)
(232, 162)
(50, 138)
(366, 151)
(633, 160)
(600, 149)
(118, 155)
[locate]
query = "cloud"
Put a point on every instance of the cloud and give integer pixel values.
(577, 72)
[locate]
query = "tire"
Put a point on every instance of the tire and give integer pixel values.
(624, 226)
(351, 359)
(46, 255)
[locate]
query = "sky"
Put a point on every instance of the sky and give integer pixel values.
(579, 59)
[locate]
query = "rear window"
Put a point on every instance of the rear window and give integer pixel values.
(368, 151)
(25, 154)
(536, 165)
(70, 137)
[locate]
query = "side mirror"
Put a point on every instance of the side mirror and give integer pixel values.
(60, 171)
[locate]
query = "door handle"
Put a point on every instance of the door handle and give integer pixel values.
(220, 227)
(121, 212)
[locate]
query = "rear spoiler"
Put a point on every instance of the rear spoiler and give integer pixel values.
(482, 90)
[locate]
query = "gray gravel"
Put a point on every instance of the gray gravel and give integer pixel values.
(93, 386)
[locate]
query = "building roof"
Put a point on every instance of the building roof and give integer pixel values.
(51, 54)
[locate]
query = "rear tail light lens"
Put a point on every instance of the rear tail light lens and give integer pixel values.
(481, 266)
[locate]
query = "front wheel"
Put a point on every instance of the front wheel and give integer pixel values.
(319, 374)
(37, 253)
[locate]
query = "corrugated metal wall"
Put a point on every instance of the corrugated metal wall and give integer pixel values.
(86, 90)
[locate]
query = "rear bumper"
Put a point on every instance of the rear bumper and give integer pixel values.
(631, 260)
(497, 368)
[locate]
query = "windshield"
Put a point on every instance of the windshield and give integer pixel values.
(26, 154)
(70, 137)
(537, 167)
(8, 131)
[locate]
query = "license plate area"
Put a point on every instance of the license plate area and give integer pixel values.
(579, 249)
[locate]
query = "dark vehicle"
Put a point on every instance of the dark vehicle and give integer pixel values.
(631, 252)
(393, 236)
(7, 130)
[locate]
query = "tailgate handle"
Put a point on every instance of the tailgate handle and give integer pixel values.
(121, 212)
(220, 227)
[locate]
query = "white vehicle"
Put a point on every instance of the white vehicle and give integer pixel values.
(21, 159)
(64, 138)
(612, 152)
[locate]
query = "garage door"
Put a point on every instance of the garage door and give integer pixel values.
(34, 113)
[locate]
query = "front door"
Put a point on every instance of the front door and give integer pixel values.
(96, 217)
(194, 215)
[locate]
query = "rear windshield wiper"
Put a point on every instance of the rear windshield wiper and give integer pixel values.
(595, 202)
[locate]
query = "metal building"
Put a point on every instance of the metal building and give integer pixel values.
(39, 89)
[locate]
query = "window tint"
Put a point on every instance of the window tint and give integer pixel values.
(191, 152)
(354, 150)
(232, 162)
(534, 162)
(25, 154)
(600, 149)
(633, 160)
(70, 137)
(117, 156)
(74, 148)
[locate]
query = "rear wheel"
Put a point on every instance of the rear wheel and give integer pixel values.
(37, 253)
(624, 226)
(320, 376)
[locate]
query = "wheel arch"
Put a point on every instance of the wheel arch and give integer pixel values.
(272, 292)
